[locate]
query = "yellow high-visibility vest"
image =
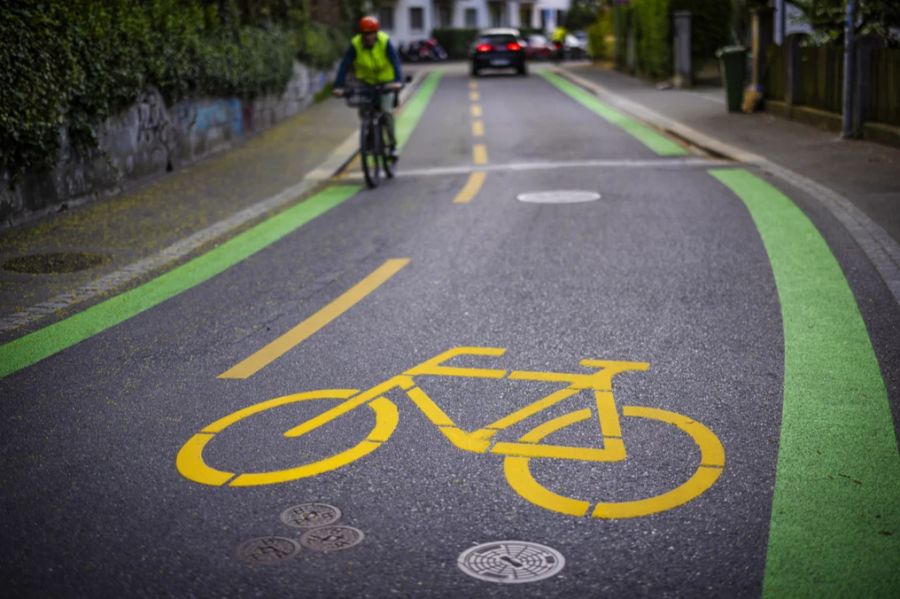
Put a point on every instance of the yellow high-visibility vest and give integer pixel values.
(372, 65)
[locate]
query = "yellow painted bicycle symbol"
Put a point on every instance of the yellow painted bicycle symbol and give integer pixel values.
(517, 454)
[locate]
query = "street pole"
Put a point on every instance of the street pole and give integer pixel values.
(849, 70)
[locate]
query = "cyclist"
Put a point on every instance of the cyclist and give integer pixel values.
(375, 62)
(559, 42)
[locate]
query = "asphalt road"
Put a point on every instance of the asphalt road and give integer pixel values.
(667, 267)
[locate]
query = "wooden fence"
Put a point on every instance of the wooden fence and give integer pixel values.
(818, 80)
(885, 106)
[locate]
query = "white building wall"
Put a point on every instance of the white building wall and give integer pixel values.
(402, 32)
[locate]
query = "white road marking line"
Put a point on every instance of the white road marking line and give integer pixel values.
(879, 247)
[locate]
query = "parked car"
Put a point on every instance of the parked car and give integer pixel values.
(576, 45)
(500, 48)
(538, 47)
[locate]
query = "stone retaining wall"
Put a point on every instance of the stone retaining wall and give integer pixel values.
(149, 139)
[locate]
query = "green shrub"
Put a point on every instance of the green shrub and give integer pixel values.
(597, 32)
(78, 62)
(651, 20)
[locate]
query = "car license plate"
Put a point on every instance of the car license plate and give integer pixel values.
(499, 62)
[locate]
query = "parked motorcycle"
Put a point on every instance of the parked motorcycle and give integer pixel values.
(424, 50)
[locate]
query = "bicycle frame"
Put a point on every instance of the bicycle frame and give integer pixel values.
(372, 148)
(516, 454)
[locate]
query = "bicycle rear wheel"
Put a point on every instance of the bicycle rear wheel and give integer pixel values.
(370, 153)
(387, 161)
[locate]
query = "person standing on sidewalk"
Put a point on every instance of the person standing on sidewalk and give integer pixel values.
(375, 62)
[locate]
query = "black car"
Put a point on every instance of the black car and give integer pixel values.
(498, 49)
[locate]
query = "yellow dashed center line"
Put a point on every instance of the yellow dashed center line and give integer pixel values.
(476, 111)
(314, 323)
(471, 188)
(479, 154)
(478, 129)
(474, 96)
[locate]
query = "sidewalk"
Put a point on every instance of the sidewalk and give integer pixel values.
(138, 234)
(858, 181)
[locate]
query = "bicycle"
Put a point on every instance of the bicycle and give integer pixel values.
(373, 152)
(516, 454)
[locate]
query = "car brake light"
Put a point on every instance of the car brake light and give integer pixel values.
(513, 46)
(484, 48)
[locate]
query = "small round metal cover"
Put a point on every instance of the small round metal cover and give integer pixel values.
(511, 562)
(310, 515)
(559, 197)
(267, 550)
(332, 538)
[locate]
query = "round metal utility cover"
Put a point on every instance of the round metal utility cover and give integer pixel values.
(559, 197)
(267, 550)
(511, 561)
(310, 515)
(332, 538)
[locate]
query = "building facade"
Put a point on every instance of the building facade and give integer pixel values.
(410, 20)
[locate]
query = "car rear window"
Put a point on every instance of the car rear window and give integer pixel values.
(497, 39)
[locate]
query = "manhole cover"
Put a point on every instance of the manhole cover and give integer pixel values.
(41, 264)
(267, 550)
(331, 538)
(511, 561)
(310, 515)
(558, 197)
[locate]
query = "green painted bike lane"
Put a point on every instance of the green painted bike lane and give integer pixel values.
(835, 524)
(835, 527)
(34, 347)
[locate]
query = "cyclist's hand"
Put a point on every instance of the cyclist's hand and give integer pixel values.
(338, 92)
(393, 86)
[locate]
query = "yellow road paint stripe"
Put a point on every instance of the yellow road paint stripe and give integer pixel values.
(532, 409)
(476, 111)
(702, 479)
(314, 323)
(474, 96)
(338, 460)
(473, 85)
(471, 188)
(479, 154)
(519, 478)
(478, 129)
(606, 412)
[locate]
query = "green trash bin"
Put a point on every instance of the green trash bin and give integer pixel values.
(733, 61)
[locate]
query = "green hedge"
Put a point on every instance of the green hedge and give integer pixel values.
(77, 62)
(455, 42)
(652, 22)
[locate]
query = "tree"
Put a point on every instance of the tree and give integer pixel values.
(582, 14)
(874, 17)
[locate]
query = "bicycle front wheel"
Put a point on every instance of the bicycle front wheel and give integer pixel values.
(192, 464)
(386, 160)
(370, 153)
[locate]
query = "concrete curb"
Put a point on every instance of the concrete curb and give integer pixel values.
(879, 247)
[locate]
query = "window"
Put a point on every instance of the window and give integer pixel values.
(445, 15)
(416, 18)
(497, 14)
(526, 11)
(386, 17)
(471, 18)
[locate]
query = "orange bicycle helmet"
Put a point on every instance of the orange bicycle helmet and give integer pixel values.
(368, 25)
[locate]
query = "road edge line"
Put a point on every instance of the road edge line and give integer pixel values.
(58, 336)
(837, 471)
